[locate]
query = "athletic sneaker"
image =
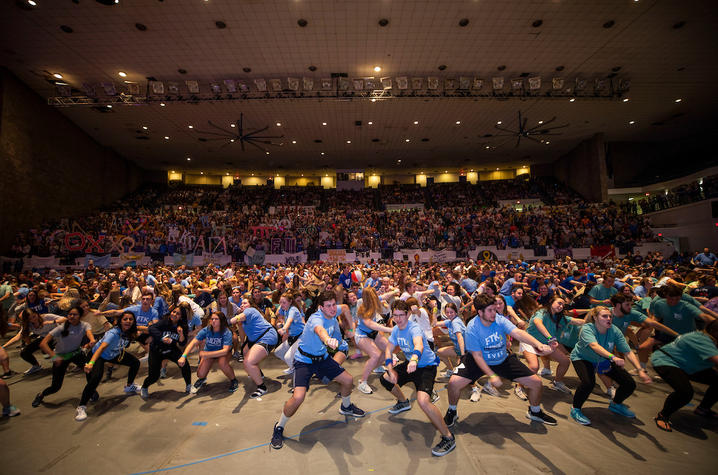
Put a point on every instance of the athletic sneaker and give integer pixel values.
(80, 413)
(238, 356)
(188, 389)
(490, 389)
(559, 386)
(445, 445)
(578, 416)
(545, 372)
(233, 385)
(351, 410)
(379, 370)
(38, 400)
(475, 394)
(277, 437)
(163, 373)
(400, 406)
(132, 389)
(197, 385)
(289, 371)
(540, 416)
(10, 411)
(144, 393)
(95, 397)
(519, 392)
(9, 374)
(451, 417)
(258, 392)
(33, 369)
(621, 410)
(447, 374)
(434, 396)
(611, 392)
(364, 387)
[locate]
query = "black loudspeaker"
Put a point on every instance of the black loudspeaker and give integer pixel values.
(714, 209)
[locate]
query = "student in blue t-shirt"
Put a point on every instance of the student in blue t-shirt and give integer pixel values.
(313, 358)
(290, 325)
(419, 368)
(261, 339)
(594, 354)
(486, 353)
(456, 330)
(691, 357)
(218, 342)
(110, 349)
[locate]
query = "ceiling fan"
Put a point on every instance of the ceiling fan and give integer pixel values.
(524, 132)
(240, 135)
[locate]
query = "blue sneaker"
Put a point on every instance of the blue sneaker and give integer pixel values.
(578, 416)
(621, 410)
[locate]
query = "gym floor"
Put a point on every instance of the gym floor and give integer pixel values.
(215, 431)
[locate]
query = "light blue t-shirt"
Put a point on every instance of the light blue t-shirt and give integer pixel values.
(612, 339)
(297, 325)
(491, 340)
(692, 352)
(625, 321)
(255, 326)
(215, 340)
(404, 339)
(456, 326)
(115, 343)
(554, 328)
(143, 318)
(309, 342)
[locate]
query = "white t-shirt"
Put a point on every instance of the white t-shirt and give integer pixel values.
(424, 323)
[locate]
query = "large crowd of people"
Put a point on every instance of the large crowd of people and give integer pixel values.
(685, 194)
(459, 217)
(463, 324)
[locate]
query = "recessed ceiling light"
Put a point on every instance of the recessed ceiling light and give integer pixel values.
(609, 24)
(190, 127)
(279, 124)
(631, 122)
(141, 26)
(324, 123)
(322, 153)
(373, 100)
(166, 137)
(499, 123)
(188, 159)
(370, 123)
(122, 74)
(232, 125)
(294, 141)
(32, 3)
(458, 122)
(377, 69)
(487, 147)
(407, 140)
(109, 106)
(547, 142)
(231, 140)
(398, 161)
(678, 100)
(144, 127)
(537, 23)
(162, 104)
(227, 173)
(201, 173)
(349, 141)
(540, 122)
(416, 122)
(172, 171)
(497, 169)
(383, 22)
(625, 99)
(267, 153)
(302, 174)
(57, 75)
(442, 67)
(472, 169)
(66, 29)
(573, 99)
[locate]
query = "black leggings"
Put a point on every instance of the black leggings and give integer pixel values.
(587, 373)
(58, 372)
(682, 393)
(155, 365)
(32, 347)
(95, 376)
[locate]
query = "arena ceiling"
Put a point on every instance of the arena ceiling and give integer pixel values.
(666, 49)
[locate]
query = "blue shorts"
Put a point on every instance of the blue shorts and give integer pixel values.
(303, 372)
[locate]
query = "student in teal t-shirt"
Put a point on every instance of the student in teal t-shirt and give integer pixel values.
(594, 353)
(691, 357)
(600, 294)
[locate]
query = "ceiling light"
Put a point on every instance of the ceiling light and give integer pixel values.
(294, 141)
(172, 171)
(472, 169)
(252, 174)
(499, 123)
(201, 173)
(547, 142)
(232, 125)
(631, 122)
(398, 161)
(122, 74)
(324, 123)
(322, 153)
(446, 171)
(190, 127)
(57, 75)
(162, 104)
(497, 169)
(279, 124)
(109, 106)
(373, 100)
(32, 3)
(573, 99)
(625, 99)
(678, 100)
(416, 122)
(166, 137)
(407, 140)
(370, 123)
(458, 122)
(267, 153)
(231, 140)
(349, 141)
(302, 174)
(188, 159)
(487, 147)
(377, 69)
(227, 173)
(540, 122)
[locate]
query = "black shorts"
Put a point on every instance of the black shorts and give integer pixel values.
(423, 378)
(511, 368)
(303, 372)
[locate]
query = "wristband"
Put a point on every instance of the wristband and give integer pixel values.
(184, 355)
(90, 363)
(416, 353)
(491, 376)
(388, 361)
(574, 312)
(611, 356)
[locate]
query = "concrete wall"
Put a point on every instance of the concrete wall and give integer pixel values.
(50, 167)
(584, 169)
(692, 224)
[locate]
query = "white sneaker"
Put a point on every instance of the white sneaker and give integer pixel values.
(519, 392)
(545, 372)
(80, 413)
(131, 389)
(364, 387)
(475, 394)
(380, 370)
(490, 389)
(289, 371)
(559, 386)
(611, 392)
(33, 369)
(448, 373)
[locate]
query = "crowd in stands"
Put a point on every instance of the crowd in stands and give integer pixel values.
(680, 195)
(164, 221)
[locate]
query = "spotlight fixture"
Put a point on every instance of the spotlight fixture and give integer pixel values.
(32, 3)
(144, 127)
(109, 106)
(57, 75)
(678, 100)
(294, 141)
(122, 74)
(190, 127)
(631, 122)
(166, 137)
(499, 123)
(573, 99)
(458, 122)
(377, 69)
(188, 159)
(279, 124)
(324, 123)
(416, 122)
(349, 141)
(625, 99)
(370, 123)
